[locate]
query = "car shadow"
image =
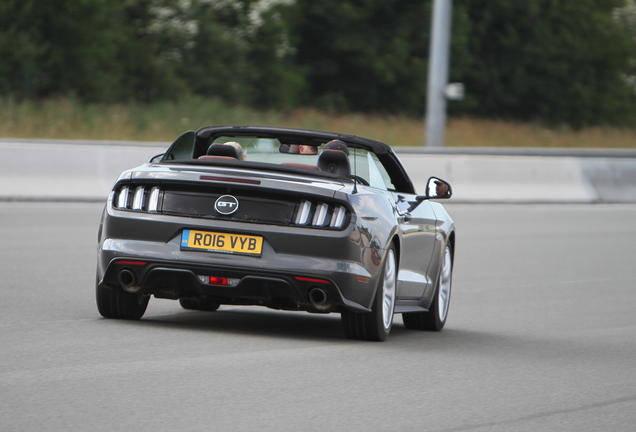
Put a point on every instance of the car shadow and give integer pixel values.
(255, 322)
(258, 321)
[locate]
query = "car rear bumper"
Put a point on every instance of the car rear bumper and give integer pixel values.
(280, 281)
(273, 289)
(293, 261)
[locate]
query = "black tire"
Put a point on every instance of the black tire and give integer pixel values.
(117, 303)
(201, 305)
(433, 320)
(372, 326)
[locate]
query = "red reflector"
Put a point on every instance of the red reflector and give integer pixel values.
(228, 179)
(132, 262)
(362, 279)
(304, 279)
(218, 280)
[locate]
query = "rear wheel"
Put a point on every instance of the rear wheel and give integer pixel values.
(435, 318)
(117, 303)
(376, 325)
(202, 305)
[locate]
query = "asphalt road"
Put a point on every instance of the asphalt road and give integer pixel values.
(541, 336)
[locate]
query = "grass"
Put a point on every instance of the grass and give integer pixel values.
(68, 119)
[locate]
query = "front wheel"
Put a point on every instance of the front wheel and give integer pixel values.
(376, 325)
(435, 318)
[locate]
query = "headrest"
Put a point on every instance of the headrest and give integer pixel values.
(222, 150)
(337, 145)
(335, 162)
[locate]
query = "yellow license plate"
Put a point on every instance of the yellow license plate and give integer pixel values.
(222, 242)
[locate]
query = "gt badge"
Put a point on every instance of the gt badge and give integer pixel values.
(226, 205)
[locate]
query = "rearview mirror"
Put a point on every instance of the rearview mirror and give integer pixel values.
(298, 149)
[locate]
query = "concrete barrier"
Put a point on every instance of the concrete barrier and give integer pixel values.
(86, 170)
(67, 170)
(498, 176)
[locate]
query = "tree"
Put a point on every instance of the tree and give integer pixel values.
(243, 52)
(554, 61)
(109, 50)
(364, 55)
(57, 47)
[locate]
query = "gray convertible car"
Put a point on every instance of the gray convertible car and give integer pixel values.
(285, 218)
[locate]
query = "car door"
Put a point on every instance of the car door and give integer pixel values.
(418, 243)
(417, 226)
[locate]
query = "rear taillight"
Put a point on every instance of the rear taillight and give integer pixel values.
(320, 215)
(303, 213)
(140, 198)
(121, 198)
(153, 203)
(338, 217)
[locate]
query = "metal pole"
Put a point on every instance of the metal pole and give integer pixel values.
(439, 55)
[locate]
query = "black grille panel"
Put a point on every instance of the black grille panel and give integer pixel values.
(251, 209)
(255, 206)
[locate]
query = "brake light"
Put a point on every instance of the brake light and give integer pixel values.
(228, 179)
(215, 280)
(219, 281)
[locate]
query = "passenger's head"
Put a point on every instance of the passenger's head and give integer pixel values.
(239, 149)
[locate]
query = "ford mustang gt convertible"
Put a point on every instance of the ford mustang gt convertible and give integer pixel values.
(285, 218)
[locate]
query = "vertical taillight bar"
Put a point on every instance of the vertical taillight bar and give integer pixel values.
(338, 217)
(138, 200)
(321, 215)
(153, 203)
(122, 198)
(303, 213)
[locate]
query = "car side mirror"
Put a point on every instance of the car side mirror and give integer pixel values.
(437, 188)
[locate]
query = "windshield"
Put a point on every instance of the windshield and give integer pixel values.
(358, 164)
(270, 150)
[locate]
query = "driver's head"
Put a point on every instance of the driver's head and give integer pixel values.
(307, 149)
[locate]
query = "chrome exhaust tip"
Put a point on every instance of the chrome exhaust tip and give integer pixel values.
(320, 300)
(128, 281)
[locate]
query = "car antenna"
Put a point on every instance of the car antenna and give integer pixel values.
(355, 167)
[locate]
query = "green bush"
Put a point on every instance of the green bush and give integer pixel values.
(554, 61)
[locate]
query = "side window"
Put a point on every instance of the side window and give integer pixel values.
(367, 166)
(385, 177)
(182, 148)
(375, 176)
